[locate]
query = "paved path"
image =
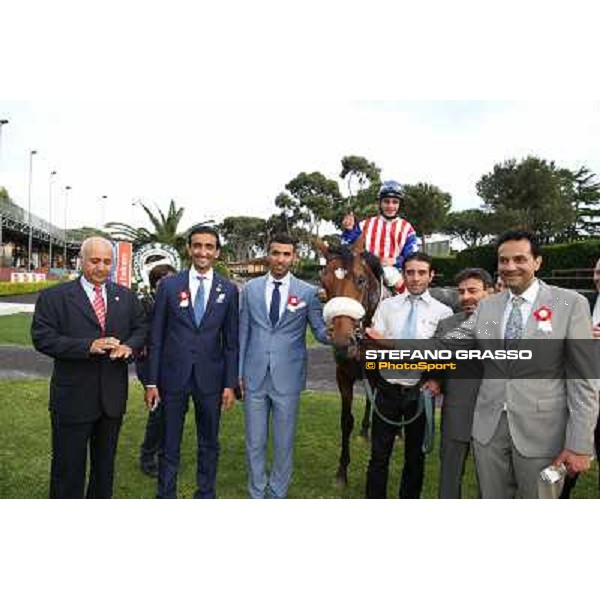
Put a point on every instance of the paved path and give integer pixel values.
(25, 363)
(17, 362)
(23, 303)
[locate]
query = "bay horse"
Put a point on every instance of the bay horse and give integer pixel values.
(351, 280)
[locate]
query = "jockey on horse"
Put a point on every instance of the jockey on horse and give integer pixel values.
(388, 236)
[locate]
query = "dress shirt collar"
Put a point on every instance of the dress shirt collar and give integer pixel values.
(425, 296)
(530, 294)
(88, 286)
(208, 276)
(285, 281)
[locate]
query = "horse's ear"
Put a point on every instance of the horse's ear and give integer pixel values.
(321, 245)
(359, 245)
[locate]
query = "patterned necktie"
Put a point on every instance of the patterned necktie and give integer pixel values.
(514, 324)
(199, 301)
(275, 303)
(99, 307)
(409, 332)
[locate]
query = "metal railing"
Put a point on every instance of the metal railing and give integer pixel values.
(12, 212)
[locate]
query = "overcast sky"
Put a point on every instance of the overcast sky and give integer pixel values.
(219, 108)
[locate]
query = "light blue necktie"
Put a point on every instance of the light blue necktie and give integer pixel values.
(409, 332)
(199, 301)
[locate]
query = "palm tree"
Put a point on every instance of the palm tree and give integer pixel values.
(165, 229)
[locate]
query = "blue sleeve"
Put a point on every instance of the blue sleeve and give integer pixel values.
(410, 246)
(244, 327)
(315, 319)
(231, 339)
(157, 331)
(349, 236)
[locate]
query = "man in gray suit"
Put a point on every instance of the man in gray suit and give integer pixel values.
(521, 424)
(275, 311)
(460, 394)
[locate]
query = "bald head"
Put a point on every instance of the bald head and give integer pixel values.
(90, 243)
(96, 259)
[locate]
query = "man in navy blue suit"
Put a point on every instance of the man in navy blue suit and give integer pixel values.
(193, 350)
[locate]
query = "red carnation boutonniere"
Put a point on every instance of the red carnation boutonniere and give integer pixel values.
(543, 316)
(294, 303)
(184, 299)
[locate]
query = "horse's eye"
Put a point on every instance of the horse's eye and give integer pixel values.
(361, 281)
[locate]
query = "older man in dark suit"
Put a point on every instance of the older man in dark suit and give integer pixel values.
(90, 327)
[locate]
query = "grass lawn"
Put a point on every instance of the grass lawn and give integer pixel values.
(25, 451)
(14, 329)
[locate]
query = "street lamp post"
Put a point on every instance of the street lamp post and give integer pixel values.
(134, 203)
(3, 122)
(67, 189)
(52, 174)
(102, 211)
(29, 248)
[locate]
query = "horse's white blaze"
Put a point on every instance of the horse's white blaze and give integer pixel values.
(340, 273)
(343, 307)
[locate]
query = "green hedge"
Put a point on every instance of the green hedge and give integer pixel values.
(445, 269)
(13, 289)
(576, 255)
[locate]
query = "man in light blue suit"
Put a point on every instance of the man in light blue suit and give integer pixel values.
(274, 312)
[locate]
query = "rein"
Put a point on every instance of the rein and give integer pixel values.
(343, 306)
(425, 403)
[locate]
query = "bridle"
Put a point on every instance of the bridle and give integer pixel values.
(345, 306)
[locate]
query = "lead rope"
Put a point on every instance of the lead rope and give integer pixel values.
(425, 403)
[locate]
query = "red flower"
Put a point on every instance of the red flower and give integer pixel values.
(293, 301)
(184, 295)
(543, 313)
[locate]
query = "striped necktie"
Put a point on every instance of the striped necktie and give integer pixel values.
(99, 307)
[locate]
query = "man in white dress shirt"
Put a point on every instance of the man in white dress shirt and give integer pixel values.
(411, 315)
(529, 414)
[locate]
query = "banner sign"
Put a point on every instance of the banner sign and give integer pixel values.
(122, 255)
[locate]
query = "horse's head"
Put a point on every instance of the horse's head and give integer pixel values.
(351, 283)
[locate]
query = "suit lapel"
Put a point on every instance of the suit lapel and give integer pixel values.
(215, 289)
(496, 304)
(529, 327)
(544, 296)
(79, 298)
(183, 286)
(293, 291)
(260, 292)
(112, 305)
(493, 324)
